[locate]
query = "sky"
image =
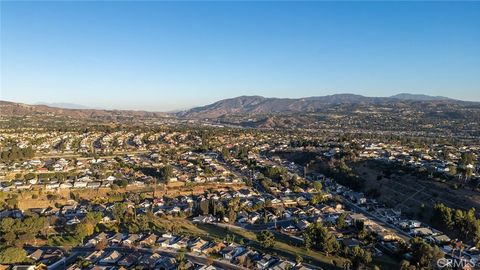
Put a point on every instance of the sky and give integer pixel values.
(164, 56)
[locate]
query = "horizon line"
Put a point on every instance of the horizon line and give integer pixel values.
(87, 107)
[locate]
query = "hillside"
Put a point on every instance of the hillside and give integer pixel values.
(254, 105)
(399, 114)
(19, 109)
(418, 97)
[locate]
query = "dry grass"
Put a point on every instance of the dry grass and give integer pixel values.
(281, 247)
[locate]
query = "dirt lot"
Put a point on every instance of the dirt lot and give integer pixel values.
(409, 192)
(400, 190)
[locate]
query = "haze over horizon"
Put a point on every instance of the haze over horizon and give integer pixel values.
(162, 56)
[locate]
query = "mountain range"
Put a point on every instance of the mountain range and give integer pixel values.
(262, 105)
(243, 105)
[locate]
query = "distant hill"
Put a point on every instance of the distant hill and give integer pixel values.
(8, 108)
(243, 107)
(64, 105)
(419, 97)
(261, 105)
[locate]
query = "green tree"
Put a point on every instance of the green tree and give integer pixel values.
(318, 237)
(180, 260)
(340, 224)
(6, 224)
(266, 238)
(123, 183)
(83, 229)
(13, 255)
(317, 186)
(360, 257)
(118, 211)
(12, 201)
(9, 238)
(166, 172)
(424, 255)
(307, 239)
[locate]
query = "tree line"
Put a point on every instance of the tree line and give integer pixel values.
(461, 224)
(16, 153)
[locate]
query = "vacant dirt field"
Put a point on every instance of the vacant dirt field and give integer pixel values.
(412, 194)
(409, 192)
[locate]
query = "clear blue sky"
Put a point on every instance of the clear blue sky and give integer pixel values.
(166, 55)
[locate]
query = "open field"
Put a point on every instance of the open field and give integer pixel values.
(410, 192)
(401, 190)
